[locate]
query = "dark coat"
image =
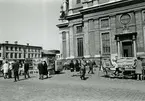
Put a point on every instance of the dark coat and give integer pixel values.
(72, 66)
(41, 68)
(15, 67)
(77, 67)
(26, 67)
(45, 69)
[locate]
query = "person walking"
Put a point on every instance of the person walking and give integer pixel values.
(91, 65)
(77, 66)
(16, 71)
(26, 69)
(138, 68)
(45, 66)
(83, 69)
(5, 69)
(41, 70)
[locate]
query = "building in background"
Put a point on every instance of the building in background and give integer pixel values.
(108, 28)
(10, 52)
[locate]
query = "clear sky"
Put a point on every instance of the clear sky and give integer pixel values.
(30, 21)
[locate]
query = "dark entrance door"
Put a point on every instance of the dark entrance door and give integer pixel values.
(127, 49)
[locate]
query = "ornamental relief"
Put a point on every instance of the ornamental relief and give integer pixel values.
(125, 22)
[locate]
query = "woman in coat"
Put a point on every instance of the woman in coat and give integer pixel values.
(138, 68)
(45, 69)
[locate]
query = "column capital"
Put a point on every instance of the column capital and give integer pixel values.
(118, 40)
(133, 37)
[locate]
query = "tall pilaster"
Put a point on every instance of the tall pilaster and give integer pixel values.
(67, 44)
(97, 37)
(86, 41)
(139, 29)
(71, 31)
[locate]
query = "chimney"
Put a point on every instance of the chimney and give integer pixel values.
(27, 44)
(6, 42)
(16, 42)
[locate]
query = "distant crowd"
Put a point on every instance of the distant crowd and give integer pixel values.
(80, 65)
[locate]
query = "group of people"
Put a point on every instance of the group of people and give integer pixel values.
(80, 65)
(13, 68)
(137, 66)
(43, 70)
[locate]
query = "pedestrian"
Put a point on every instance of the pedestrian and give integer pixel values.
(71, 66)
(83, 69)
(16, 70)
(45, 66)
(91, 64)
(10, 70)
(26, 69)
(5, 69)
(41, 70)
(138, 68)
(77, 66)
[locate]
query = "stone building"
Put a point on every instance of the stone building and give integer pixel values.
(108, 28)
(9, 51)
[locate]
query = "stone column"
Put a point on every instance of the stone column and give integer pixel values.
(86, 41)
(67, 45)
(118, 47)
(134, 45)
(71, 41)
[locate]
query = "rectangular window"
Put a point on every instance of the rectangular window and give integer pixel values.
(79, 29)
(7, 48)
(106, 43)
(11, 55)
(11, 48)
(19, 55)
(28, 55)
(105, 23)
(0, 54)
(78, 1)
(19, 48)
(0, 47)
(16, 55)
(15, 48)
(7, 55)
(80, 47)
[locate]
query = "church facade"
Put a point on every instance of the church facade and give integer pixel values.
(107, 28)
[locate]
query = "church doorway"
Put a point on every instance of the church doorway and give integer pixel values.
(127, 49)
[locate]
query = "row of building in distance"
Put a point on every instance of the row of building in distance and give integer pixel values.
(15, 51)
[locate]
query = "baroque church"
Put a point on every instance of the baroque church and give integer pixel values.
(102, 28)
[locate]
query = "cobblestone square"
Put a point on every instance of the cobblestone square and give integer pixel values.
(64, 87)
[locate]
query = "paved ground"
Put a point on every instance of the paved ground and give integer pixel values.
(64, 87)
